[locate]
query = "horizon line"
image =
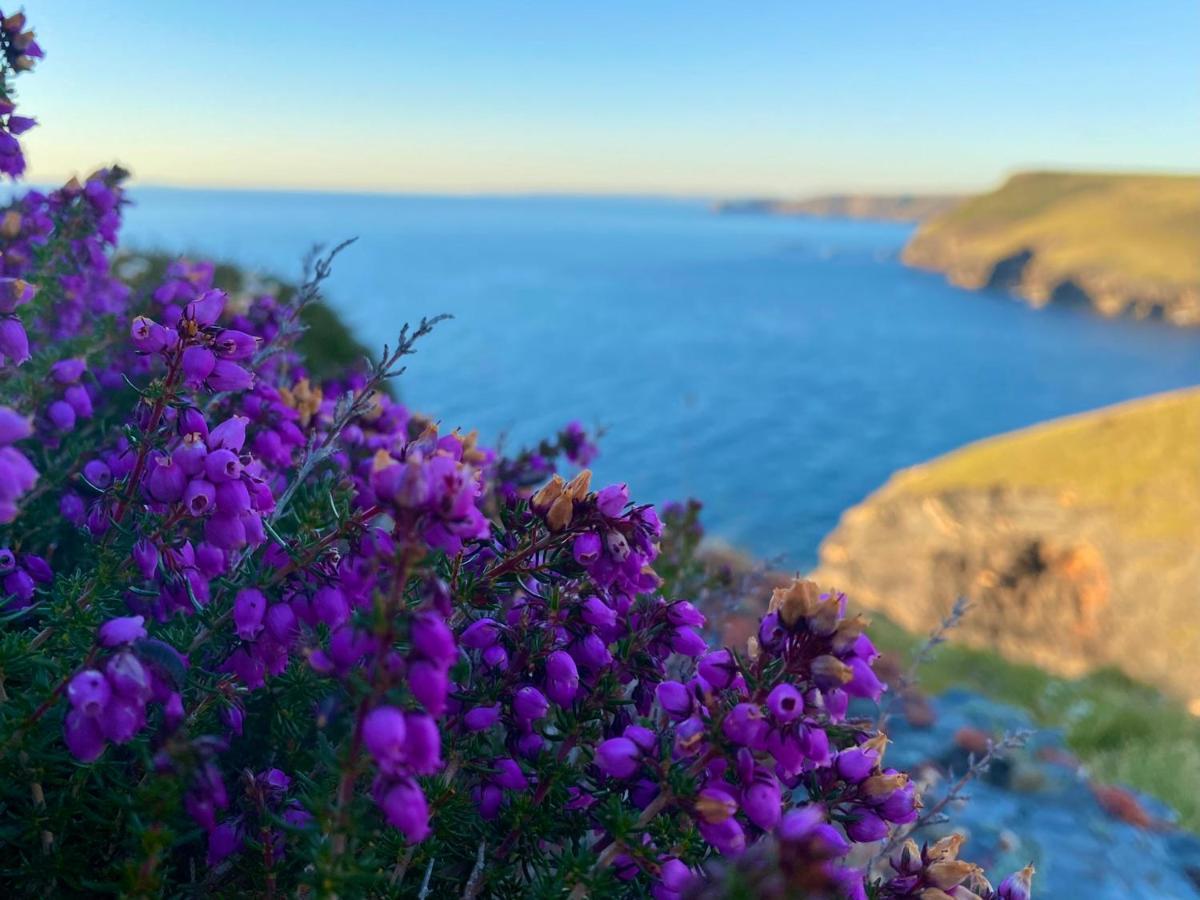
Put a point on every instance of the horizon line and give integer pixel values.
(697, 195)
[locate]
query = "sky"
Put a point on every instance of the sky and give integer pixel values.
(691, 97)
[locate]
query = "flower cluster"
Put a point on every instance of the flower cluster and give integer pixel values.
(109, 703)
(21, 52)
(266, 631)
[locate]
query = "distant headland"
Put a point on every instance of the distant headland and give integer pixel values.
(1119, 243)
(885, 207)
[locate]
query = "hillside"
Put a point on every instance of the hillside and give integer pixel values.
(1122, 243)
(1076, 540)
(884, 207)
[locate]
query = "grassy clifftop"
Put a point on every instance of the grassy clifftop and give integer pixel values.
(1077, 540)
(1121, 242)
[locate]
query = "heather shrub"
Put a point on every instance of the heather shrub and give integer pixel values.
(266, 631)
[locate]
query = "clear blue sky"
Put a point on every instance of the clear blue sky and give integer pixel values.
(681, 97)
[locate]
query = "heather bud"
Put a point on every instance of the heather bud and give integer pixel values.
(618, 757)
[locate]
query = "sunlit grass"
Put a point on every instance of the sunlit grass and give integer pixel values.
(1144, 228)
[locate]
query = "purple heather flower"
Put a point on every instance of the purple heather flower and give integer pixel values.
(586, 548)
(147, 335)
(530, 704)
(226, 532)
(745, 725)
(1017, 886)
(68, 371)
(597, 613)
(384, 731)
(19, 584)
(122, 630)
(83, 736)
(98, 474)
(13, 426)
(684, 613)
(199, 497)
(198, 362)
(785, 703)
(8, 560)
(231, 344)
(480, 633)
(429, 683)
(673, 879)
(866, 827)
(249, 607)
(14, 344)
(562, 678)
(424, 745)
(530, 745)
(207, 308)
(864, 683)
(223, 842)
(495, 657)
(618, 757)
(280, 620)
(762, 800)
(900, 807)
(509, 775)
(592, 652)
(433, 639)
(482, 718)
(675, 699)
(15, 292)
(229, 376)
(165, 481)
(222, 465)
(718, 669)
(686, 642)
(89, 692)
(611, 501)
(330, 606)
(646, 739)
(727, 835)
(406, 809)
(61, 415)
(855, 763)
(79, 400)
(145, 557)
(488, 798)
(128, 677)
(229, 435)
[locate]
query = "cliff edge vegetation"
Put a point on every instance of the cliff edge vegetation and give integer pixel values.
(1121, 243)
(1075, 540)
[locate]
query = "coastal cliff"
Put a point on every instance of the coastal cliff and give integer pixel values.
(1124, 244)
(1075, 540)
(882, 207)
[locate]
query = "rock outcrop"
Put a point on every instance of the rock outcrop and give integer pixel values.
(1123, 244)
(1077, 542)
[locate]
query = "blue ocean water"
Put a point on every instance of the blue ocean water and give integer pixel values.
(777, 369)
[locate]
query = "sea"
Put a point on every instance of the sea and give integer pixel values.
(777, 369)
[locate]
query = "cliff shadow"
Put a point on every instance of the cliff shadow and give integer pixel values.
(1008, 272)
(1068, 293)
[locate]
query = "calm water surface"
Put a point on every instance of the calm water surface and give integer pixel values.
(778, 369)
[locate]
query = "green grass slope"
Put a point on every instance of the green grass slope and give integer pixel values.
(1127, 242)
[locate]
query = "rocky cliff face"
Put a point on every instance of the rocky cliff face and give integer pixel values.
(1120, 244)
(1061, 575)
